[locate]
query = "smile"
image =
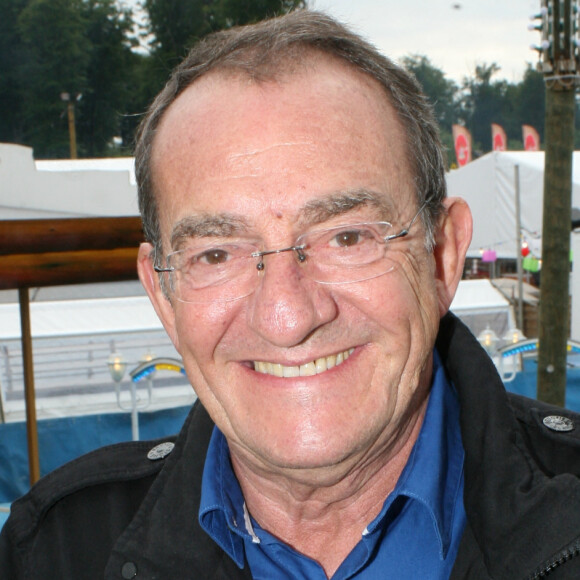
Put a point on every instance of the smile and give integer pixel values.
(314, 367)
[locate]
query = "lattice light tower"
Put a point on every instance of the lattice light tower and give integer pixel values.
(560, 45)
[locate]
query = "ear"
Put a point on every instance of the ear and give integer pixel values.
(150, 280)
(451, 244)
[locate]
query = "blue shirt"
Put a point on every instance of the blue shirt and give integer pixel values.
(416, 534)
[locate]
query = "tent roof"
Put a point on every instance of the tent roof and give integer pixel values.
(488, 186)
(81, 317)
(123, 164)
(478, 295)
(32, 189)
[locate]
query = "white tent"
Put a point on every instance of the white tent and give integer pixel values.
(32, 189)
(488, 185)
(480, 305)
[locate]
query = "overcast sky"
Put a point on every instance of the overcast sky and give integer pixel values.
(456, 35)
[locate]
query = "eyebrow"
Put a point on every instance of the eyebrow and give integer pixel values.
(318, 211)
(214, 225)
(314, 212)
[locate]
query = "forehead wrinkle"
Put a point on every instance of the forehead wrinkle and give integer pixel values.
(216, 225)
(320, 210)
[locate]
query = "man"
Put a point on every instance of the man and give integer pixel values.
(302, 257)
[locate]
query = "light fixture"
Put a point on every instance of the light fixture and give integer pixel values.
(513, 336)
(117, 366)
(488, 339)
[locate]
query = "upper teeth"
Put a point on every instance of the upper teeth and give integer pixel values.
(306, 370)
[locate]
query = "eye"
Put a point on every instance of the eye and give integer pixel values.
(347, 239)
(354, 236)
(213, 257)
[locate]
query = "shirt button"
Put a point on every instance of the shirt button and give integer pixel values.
(129, 570)
(558, 423)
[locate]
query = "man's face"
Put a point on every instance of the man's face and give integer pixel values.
(260, 154)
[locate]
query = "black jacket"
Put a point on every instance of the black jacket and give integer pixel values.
(117, 514)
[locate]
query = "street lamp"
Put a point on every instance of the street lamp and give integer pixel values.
(117, 367)
(488, 339)
(66, 97)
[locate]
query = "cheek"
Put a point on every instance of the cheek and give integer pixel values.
(200, 328)
(403, 302)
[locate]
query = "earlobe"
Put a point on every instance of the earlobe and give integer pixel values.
(150, 281)
(452, 242)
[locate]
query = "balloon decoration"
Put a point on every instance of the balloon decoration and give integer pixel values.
(489, 256)
(531, 264)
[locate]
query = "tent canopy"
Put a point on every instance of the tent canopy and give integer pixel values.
(488, 186)
(32, 189)
(480, 305)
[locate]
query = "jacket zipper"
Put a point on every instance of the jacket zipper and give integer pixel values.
(567, 554)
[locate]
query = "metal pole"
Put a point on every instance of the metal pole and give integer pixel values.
(72, 129)
(134, 413)
(518, 249)
(30, 398)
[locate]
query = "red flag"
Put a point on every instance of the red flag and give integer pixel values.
(531, 138)
(462, 141)
(498, 137)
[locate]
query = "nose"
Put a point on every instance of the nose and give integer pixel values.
(287, 306)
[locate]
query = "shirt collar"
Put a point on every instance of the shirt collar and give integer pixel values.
(222, 511)
(433, 474)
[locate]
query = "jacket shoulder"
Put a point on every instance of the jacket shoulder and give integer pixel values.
(121, 465)
(551, 432)
(67, 525)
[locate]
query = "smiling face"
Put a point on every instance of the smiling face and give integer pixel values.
(298, 374)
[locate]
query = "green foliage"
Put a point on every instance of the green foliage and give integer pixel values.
(57, 57)
(484, 103)
(77, 47)
(441, 91)
(109, 75)
(11, 67)
(178, 24)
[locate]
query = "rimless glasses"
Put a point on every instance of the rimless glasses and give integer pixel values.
(227, 270)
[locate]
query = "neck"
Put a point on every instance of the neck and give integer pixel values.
(323, 512)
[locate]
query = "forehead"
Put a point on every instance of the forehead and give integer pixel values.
(228, 144)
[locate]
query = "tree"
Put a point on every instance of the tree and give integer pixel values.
(11, 63)
(77, 47)
(177, 24)
(228, 13)
(109, 75)
(57, 56)
(527, 103)
(441, 91)
(484, 103)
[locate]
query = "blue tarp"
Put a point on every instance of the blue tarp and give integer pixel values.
(63, 439)
(525, 383)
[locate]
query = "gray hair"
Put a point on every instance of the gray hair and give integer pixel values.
(261, 51)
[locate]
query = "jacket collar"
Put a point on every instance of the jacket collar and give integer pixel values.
(520, 514)
(164, 539)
